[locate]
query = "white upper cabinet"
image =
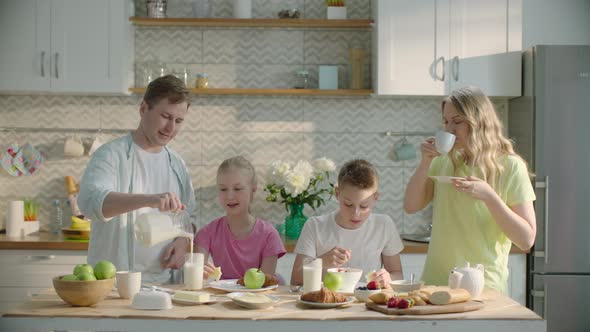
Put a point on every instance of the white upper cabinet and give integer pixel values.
(430, 47)
(66, 46)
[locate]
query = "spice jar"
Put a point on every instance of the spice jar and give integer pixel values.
(202, 81)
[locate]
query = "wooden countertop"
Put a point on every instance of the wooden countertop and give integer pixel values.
(49, 241)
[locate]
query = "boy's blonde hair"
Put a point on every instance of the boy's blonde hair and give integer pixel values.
(359, 173)
(241, 164)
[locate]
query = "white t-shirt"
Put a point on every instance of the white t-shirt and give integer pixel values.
(377, 236)
(153, 175)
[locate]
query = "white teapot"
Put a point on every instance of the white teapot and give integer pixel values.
(468, 278)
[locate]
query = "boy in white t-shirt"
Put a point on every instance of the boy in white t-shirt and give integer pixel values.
(352, 236)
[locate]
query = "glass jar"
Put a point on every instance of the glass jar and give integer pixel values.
(294, 221)
(155, 227)
(302, 81)
(202, 81)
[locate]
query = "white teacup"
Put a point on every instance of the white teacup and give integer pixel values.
(444, 141)
(128, 283)
(73, 147)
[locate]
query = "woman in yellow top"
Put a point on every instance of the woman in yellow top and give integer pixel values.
(475, 219)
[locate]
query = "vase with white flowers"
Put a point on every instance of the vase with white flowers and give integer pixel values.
(297, 185)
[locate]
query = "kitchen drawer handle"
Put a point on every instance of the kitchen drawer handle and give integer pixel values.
(43, 64)
(40, 257)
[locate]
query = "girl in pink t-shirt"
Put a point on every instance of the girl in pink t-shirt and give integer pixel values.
(238, 241)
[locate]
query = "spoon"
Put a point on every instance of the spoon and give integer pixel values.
(412, 278)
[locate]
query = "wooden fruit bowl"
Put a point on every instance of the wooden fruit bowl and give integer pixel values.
(83, 293)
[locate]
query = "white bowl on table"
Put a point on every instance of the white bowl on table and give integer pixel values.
(350, 277)
(404, 286)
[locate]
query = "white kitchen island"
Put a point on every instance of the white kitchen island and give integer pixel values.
(48, 312)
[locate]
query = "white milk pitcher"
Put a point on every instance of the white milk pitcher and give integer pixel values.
(468, 278)
(156, 227)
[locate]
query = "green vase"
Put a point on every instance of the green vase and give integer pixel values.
(294, 221)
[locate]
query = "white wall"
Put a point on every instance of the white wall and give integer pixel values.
(552, 22)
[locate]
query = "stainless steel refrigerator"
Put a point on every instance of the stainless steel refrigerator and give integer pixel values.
(550, 125)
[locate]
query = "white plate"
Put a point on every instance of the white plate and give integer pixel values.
(446, 179)
(349, 300)
(231, 285)
(240, 298)
(212, 299)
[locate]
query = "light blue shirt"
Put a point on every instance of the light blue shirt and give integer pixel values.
(111, 170)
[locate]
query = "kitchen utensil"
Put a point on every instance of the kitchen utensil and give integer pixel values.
(468, 278)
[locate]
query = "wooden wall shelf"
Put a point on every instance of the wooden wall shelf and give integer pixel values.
(283, 92)
(254, 22)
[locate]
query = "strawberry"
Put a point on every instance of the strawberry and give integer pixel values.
(403, 304)
(392, 302)
(373, 285)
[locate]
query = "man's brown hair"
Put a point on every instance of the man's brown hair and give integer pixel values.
(169, 87)
(359, 173)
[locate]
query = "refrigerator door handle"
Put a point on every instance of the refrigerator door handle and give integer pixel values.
(543, 295)
(545, 252)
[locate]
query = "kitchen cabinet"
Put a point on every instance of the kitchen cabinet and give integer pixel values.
(65, 46)
(433, 47)
(26, 272)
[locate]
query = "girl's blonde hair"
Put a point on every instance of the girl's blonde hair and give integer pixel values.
(485, 141)
(241, 164)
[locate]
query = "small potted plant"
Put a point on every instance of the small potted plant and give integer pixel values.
(31, 224)
(336, 10)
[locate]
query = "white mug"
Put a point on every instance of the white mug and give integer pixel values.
(95, 145)
(73, 147)
(128, 283)
(444, 141)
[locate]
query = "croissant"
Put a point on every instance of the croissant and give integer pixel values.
(324, 295)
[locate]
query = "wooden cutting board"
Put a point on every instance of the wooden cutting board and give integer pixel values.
(427, 309)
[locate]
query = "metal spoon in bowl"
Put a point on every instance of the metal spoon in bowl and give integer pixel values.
(412, 278)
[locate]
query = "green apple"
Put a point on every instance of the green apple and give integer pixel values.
(83, 268)
(70, 277)
(85, 276)
(104, 270)
(254, 278)
(332, 281)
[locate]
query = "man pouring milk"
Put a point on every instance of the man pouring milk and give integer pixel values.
(136, 174)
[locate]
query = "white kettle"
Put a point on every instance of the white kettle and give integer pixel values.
(468, 278)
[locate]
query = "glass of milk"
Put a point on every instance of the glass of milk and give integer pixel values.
(312, 275)
(193, 271)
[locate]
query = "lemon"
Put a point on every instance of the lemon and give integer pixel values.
(216, 274)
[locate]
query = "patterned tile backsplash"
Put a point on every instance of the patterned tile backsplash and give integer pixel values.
(260, 128)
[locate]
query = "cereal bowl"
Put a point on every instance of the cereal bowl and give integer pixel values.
(362, 295)
(350, 277)
(404, 286)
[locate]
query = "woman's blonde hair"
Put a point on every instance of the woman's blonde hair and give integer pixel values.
(241, 164)
(485, 140)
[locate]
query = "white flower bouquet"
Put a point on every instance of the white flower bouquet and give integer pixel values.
(300, 184)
